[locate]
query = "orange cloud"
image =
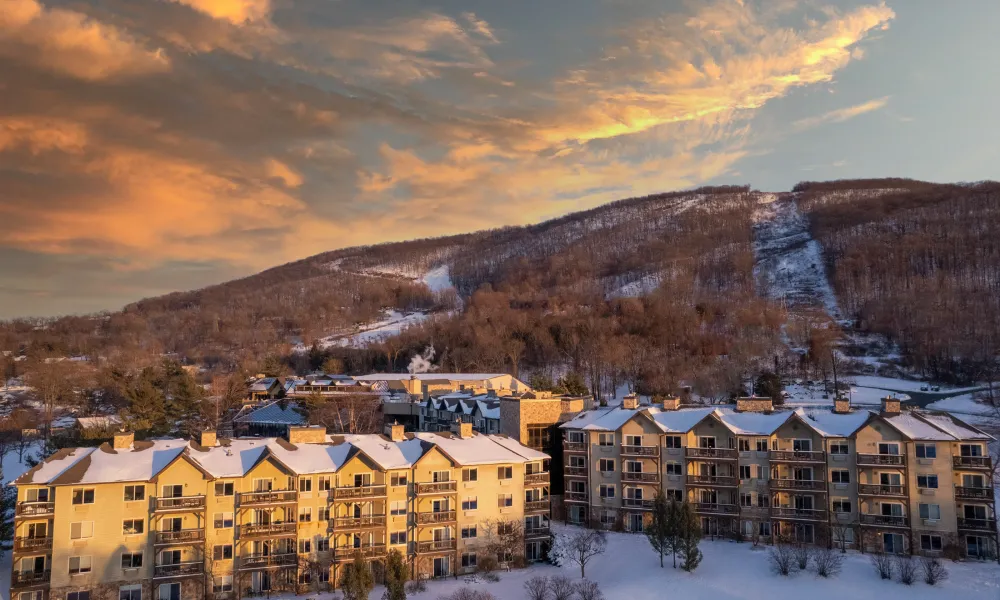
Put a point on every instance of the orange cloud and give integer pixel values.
(234, 11)
(842, 114)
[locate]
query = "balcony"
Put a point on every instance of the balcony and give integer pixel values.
(536, 506)
(439, 487)
(805, 514)
(868, 489)
(881, 460)
(713, 508)
(760, 512)
(575, 471)
(29, 578)
(268, 498)
(977, 524)
(183, 536)
(974, 493)
(437, 546)
(536, 532)
(884, 520)
(268, 561)
(267, 530)
(368, 551)
(181, 569)
(179, 503)
(798, 484)
(711, 481)
(369, 522)
(972, 462)
(441, 516)
(797, 456)
(711, 453)
(35, 510)
(574, 446)
(32, 544)
(575, 496)
(536, 479)
(651, 451)
(640, 477)
(359, 492)
(637, 503)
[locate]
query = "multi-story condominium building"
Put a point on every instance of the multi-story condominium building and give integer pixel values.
(170, 519)
(897, 480)
(440, 412)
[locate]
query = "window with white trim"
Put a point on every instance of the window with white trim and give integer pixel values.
(81, 530)
(926, 450)
(83, 496)
(80, 564)
(133, 526)
(131, 560)
(135, 493)
(607, 490)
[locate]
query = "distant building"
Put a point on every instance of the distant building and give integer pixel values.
(439, 413)
(423, 385)
(268, 388)
(270, 419)
(99, 427)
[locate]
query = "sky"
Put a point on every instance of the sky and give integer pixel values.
(162, 145)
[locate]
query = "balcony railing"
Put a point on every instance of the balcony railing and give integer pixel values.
(977, 524)
(797, 456)
(184, 536)
(193, 567)
(533, 506)
(884, 520)
(439, 487)
(24, 578)
(637, 503)
(713, 453)
(575, 496)
(264, 498)
(181, 503)
(974, 493)
(361, 491)
(263, 561)
(640, 477)
(536, 479)
(575, 471)
(35, 509)
(715, 508)
(267, 529)
(536, 532)
(972, 462)
(711, 480)
(441, 516)
(881, 460)
(367, 551)
(789, 512)
(369, 522)
(574, 446)
(870, 489)
(640, 450)
(798, 484)
(437, 546)
(32, 544)
(755, 511)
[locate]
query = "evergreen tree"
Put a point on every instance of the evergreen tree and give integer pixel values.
(184, 398)
(572, 384)
(658, 531)
(690, 536)
(8, 500)
(357, 580)
(146, 410)
(673, 528)
(396, 575)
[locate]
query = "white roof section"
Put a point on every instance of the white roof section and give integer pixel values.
(99, 422)
(271, 414)
(518, 448)
(681, 420)
(954, 427)
(309, 459)
(479, 449)
(753, 423)
(830, 424)
(608, 419)
(389, 454)
(131, 465)
(233, 460)
(916, 429)
(425, 376)
(54, 467)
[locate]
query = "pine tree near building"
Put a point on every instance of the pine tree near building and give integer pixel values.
(673, 529)
(658, 531)
(357, 581)
(396, 575)
(690, 536)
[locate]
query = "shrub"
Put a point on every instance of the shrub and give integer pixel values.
(487, 564)
(467, 593)
(588, 590)
(802, 554)
(416, 586)
(782, 560)
(561, 588)
(906, 570)
(934, 571)
(536, 588)
(882, 563)
(828, 562)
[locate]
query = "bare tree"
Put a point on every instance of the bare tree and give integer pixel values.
(589, 590)
(581, 547)
(54, 385)
(882, 563)
(503, 538)
(828, 562)
(536, 588)
(561, 588)
(782, 559)
(934, 571)
(906, 569)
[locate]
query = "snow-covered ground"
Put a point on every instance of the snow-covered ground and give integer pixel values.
(438, 279)
(392, 323)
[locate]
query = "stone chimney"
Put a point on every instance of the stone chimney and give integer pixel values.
(670, 403)
(208, 439)
(461, 429)
(309, 434)
(890, 406)
(395, 431)
(123, 440)
(630, 402)
(754, 404)
(415, 386)
(841, 406)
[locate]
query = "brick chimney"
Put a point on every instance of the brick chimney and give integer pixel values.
(207, 439)
(890, 406)
(396, 432)
(461, 429)
(310, 434)
(123, 440)
(754, 404)
(630, 402)
(841, 406)
(670, 403)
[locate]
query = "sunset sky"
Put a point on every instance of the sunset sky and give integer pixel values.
(155, 145)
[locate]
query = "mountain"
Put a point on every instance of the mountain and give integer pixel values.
(707, 285)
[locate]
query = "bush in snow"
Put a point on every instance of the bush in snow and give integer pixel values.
(487, 566)
(828, 562)
(934, 571)
(882, 563)
(561, 588)
(588, 590)
(906, 569)
(469, 594)
(536, 588)
(802, 554)
(416, 586)
(581, 547)
(782, 559)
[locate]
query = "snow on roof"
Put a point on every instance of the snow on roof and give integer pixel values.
(307, 459)
(479, 449)
(233, 460)
(830, 424)
(753, 423)
(140, 463)
(262, 385)
(916, 429)
(101, 421)
(490, 410)
(957, 429)
(54, 466)
(425, 376)
(272, 413)
(601, 420)
(519, 448)
(389, 454)
(679, 421)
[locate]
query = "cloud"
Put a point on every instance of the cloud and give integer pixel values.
(842, 114)
(234, 11)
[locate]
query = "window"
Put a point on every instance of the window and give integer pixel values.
(168, 591)
(397, 537)
(575, 437)
(763, 501)
(744, 445)
(633, 466)
(81, 530)
(886, 448)
(397, 508)
(134, 493)
(607, 465)
(323, 545)
(397, 479)
(222, 584)
(305, 546)
(760, 472)
(802, 445)
(222, 552)
(633, 440)
(133, 526)
(83, 496)
(675, 468)
(839, 448)
(130, 592)
(441, 476)
(607, 518)
(505, 500)
(38, 495)
(305, 484)
(607, 490)
(83, 595)
(505, 472)
(605, 439)
(927, 481)
(675, 495)
(762, 445)
(970, 450)
(469, 532)
(539, 436)
(323, 483)
(80, 564)
(930, 543)
(470, 503)
(931, 512)
(468, 560)
(746, 499)
(324, 576)
(223, 520)
(843, 535)
(841, 505)
(926, 451)
(840, 476)
(577, 462)
(305, 514)
(744, 471)
(131, 560)
(672, 441)
(305, 577)
(224, 488)
(323, 513)
(470, 474)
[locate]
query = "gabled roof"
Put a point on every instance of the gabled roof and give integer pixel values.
(271, 413)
